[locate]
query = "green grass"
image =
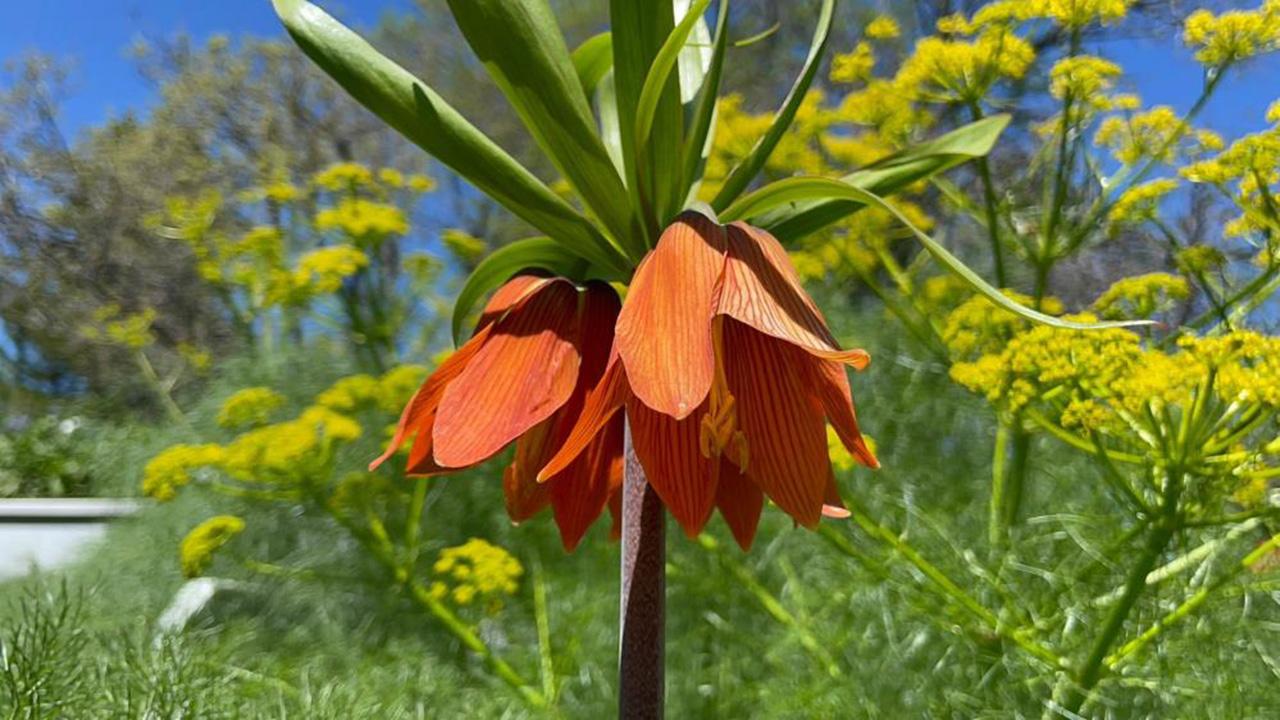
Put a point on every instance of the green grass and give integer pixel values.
(337, 641)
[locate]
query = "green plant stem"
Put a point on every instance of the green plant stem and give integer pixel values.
(153, 379)
(1102, 205)
(943, 584)
(1191, 604)
(413, 523)
(999, 480)
(422, 596)
(546, 666)
(989, 205)
(1158, 537)
(775, 608)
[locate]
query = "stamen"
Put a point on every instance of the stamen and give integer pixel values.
(719, 430)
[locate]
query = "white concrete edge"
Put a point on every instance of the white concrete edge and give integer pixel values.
(68, 509)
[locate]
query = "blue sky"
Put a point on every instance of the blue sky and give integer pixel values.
(96, 34)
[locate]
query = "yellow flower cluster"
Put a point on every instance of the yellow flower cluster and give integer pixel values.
(349, 176)
(1246, 158)
(323, 270)
(350, 393)
(343, 176)
(1141, 202)
(131, 331)
(1155, 134)
(1198, 259)
(1247, 364)
(882, 27)
(171, 469)
(1233, 35)
(1072, 14)
(1141, 296)
(476, 569)
(977, 326)
(1041, 359)
(363, 220)
(250, 406)
(283, 451)
(464, 246)
(197, 549)
(1143, 398)
(1086, 79)
(388, 393)
(886, 106)
(263, 241)
(858, 245)
(963, 71)
(199, 359)
(855, 66)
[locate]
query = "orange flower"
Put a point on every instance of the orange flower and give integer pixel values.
(728, 374)
(542, 343)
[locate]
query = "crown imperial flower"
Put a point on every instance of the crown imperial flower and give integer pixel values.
(728, 375)
(541, 344)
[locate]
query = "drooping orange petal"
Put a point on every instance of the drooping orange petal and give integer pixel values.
(664, 331)
(581, 491)
(668, 450)
(602, 403)
(762, 289)
(524, 495)
(513, 292)
(526, 371)
(782, 419)
(418, 416)
(837, 401)
(740, 502)
(832, 505)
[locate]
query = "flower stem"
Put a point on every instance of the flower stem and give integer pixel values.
(989, 204)
(1158, 538)
(642, 613)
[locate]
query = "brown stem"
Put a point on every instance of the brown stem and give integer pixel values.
(643, 609)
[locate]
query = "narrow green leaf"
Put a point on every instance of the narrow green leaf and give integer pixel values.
(742, 174)
(695, 56)
(660, 71)
(523, 49)
(417, 112)
(886, 177)
(750, 40)
(610, 123)
(499, 266)
(698, 142)
(803, 189)
(648, 24)
(592, 60)
(665, 179)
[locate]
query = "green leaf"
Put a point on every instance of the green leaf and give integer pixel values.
(592, 60)
(695, 56)
(802, 189)
(742, 174)
(697, 144)
(886, 177)
(610, 123)
(521, 46)
(417, 112)
(500, 265)
(648, 24)
(659, 75)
